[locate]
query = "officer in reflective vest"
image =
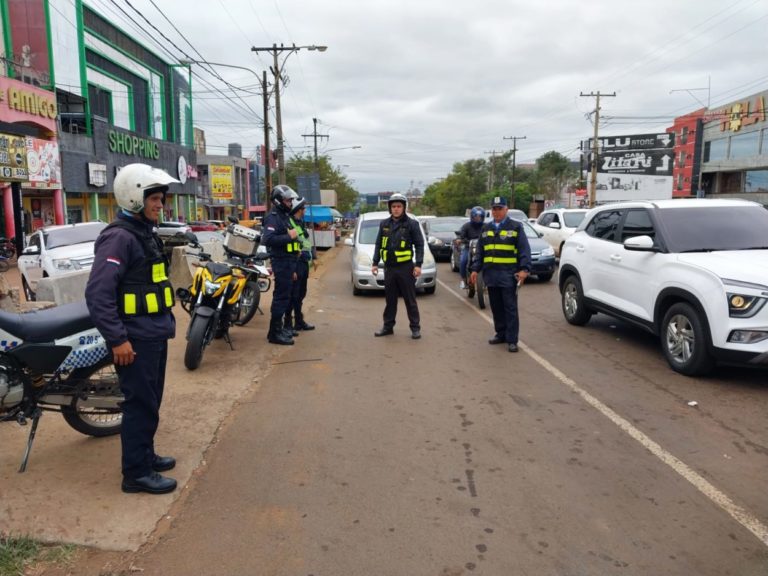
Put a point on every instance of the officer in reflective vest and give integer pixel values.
(284, 249)
(398, 238)
(130, 301)
(504, 258)
(294, 318)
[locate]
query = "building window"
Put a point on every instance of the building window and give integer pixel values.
(756, 181)
(684, 135)
(679, 181)
(681, 160)
(745, 145)
(715, 150)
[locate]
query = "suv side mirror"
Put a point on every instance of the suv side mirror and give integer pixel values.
(31, 251)
(640, 244)
(555, 225)
(349, 241)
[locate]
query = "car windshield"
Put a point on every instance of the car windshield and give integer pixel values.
(529, 231)
(573, 219)
(73, 235)
(715, 228)
(369, 229)
(448, 225)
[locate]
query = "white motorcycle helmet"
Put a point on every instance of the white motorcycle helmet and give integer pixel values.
(134, 180)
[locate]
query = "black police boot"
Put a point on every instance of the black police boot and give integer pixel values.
(276, 335)
(302, 325)
(153, 483)
(288, 327)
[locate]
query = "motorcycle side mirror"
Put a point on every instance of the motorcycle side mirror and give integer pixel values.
(191, 237)
(233, 220)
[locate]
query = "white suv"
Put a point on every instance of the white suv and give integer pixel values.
(557, 224)
(693, 271)
(56, 250)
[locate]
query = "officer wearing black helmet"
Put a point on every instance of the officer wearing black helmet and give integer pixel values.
(130, 301)
(284, 248)
(398, 238)
(469, 231)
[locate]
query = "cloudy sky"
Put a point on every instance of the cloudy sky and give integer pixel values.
(421, 84)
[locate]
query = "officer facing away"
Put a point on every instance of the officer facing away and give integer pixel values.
(284, 248)
(504, 257)
(130, 301)
(396, 241)
(294, 318)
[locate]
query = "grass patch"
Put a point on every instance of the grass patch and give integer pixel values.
(16, 553)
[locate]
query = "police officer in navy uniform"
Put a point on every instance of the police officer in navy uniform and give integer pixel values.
(294, 318)
(504, 258)
(284, 248)
(130, 300)
(398, 238)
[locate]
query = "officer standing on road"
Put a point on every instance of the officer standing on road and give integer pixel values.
(504, 257)
(469, 231)
(294, 318)
(399, 236)
(284, 248)
(130, 300)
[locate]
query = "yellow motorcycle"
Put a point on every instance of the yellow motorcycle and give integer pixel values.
(215, 302)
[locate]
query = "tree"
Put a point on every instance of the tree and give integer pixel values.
(553, 173)
(331, 178)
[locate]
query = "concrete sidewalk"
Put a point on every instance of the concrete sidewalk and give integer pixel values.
(71, 489)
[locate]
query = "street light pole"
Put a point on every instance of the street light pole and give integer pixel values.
(277, 71)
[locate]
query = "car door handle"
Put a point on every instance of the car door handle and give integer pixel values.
(615, 258)
(580, 248)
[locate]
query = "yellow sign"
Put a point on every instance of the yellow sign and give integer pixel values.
(13, 158)
(221, 182)
(741, 114)
(30, 102)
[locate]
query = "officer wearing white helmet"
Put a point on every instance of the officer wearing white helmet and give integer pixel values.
(130, 300)
(400, 246)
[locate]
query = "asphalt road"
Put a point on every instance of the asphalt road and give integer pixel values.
(580, 455)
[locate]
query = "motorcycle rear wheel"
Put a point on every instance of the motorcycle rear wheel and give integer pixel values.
(97, 422)
(249, 303)
(196, 341)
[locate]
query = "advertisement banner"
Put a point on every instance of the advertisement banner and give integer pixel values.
(13, 158)
(221, 182)
(43, 163)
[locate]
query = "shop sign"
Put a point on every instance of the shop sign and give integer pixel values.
(43, 163)
(736, 116)
(13, 158)
(181, 169)
(24, 103)
(221, 182)
(121, 143)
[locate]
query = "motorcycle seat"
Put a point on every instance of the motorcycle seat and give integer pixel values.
(49, 324)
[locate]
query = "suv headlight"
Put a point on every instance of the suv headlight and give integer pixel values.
(742, 304)
(363, 261)
(547, 252)
(65, 264)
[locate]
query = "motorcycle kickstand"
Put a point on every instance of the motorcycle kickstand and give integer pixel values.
(32, 432)
(228, 340)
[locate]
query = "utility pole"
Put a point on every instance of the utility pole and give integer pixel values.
(514, 159)
(315, 136)
(493, 166)
(267, 154)
(593, 178)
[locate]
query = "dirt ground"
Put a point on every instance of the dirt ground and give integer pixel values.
(71, 489)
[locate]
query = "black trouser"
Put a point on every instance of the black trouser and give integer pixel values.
(282, 269)
(142, 383)
(399, 281)
(504, 308)
(298, 292)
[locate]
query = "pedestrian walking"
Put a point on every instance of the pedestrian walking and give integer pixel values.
(399, 238)
(294, 318)
(130, 300)
(284, 248)
(504, 258)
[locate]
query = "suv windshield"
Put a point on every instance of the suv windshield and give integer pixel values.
(716, 228)
(573, 219)
(73, 235)
(369, 229)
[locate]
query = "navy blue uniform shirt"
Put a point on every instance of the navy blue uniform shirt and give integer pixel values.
(503, 275)
(275, 234)
(116, 251)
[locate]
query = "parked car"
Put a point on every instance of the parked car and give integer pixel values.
(203, 227)
(56, 250)
(441, 232)
(692, 271)
(557, 224)
(167, 228)
(542, 255)
(363, 240)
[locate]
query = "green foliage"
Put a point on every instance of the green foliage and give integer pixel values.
(16, 553)
(331, 178)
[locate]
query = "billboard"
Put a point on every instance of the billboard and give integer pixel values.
(43, 163)
(221, 182)
(13, 158)
(634, 167)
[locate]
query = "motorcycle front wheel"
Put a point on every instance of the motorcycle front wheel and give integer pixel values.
(196, 341)
(249, 303)
(101, 382)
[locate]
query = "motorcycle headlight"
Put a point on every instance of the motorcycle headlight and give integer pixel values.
(547, 252)
(66, 265)
(211, 287)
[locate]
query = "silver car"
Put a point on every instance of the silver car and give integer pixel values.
(363, 240)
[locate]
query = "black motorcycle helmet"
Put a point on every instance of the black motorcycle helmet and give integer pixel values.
(477, 215)
(280, 194)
